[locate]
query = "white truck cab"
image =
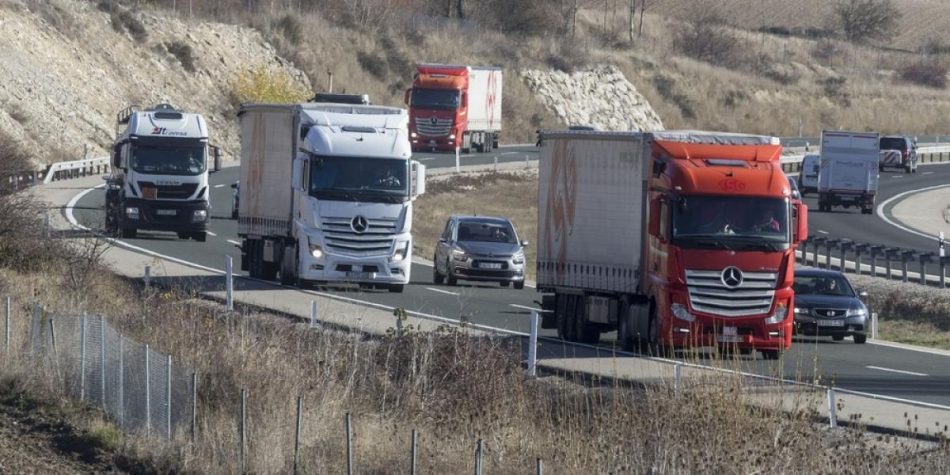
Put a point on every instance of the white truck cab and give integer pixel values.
(159, 173)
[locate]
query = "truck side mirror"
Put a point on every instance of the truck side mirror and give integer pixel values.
(801, 222)
(216, 153)
(419, 179)
(464, 100)
(117, 155)
(407, 96)
(298, 173)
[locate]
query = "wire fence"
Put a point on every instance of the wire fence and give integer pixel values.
(142, 390)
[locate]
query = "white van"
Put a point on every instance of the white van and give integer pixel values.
(808, 179)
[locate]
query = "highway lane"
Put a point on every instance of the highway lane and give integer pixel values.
(871, 368)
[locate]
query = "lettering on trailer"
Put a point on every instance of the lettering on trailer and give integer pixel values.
(731, 184)
(165, 131)
(490, 99)
(561, 202)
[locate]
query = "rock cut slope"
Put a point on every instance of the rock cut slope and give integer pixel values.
(67, 68)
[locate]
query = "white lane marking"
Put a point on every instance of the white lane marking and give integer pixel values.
(442, 291)
(897, 176)
(211, 234)
(822, 231)
(902, 346)
(926, 173)
(426, 159)
(890, 370)
(880, 211)
(236, 243)
(524, 307)
(219, 186)
(509, 153)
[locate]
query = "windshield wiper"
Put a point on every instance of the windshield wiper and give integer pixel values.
(706, 239)
(348, 194)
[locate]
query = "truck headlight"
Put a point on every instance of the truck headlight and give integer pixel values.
(413, 135)
(401, 253)
(778, 317)
(451, 136)
(459, 255)
(132, 212)
(856, 312)
(199, 216)
(681, 312)
(316, 251)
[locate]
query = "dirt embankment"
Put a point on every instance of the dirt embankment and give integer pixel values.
(67, 67)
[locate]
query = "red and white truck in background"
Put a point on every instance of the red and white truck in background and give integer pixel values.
(674, 239)
(453, 106)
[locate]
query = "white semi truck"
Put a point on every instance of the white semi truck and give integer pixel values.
(326, 194)
(159, 173)
(849, 172)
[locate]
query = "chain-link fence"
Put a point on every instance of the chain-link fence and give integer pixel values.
(143, 390)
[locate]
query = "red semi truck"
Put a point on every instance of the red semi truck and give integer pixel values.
(674, 239)
(452, 106)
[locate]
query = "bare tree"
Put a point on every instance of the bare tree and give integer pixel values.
(865, 20)
(644, 4)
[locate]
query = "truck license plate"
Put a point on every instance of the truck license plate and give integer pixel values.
(359, 275)
(729, 335)
(490, 265)
(830, 323)
(166, 212)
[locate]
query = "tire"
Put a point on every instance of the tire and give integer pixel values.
(880, 168)
(269, 271)
(184, 236)
(837, 337)
(907, 169)
(449, 277)
(519, 285)
(290, 277)
(234, 214)
(771, 354)
(860, 338)
(652, 341)
(129, 233)
(624, 336)
(395, 288)
(200, 237)
(567, 328)
(505, 283)
(437, 277)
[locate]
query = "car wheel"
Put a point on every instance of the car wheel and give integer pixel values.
(129, 233)
(200, 237)
(860, 338)
(837, 337)
(519, 285)
(437, 276)
(395, 288)
(449, 277)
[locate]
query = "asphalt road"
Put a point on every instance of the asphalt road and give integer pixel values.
(894, 372)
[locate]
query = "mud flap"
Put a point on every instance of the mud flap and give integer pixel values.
(548, 316)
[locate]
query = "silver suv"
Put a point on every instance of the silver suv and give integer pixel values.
(479, 248)
(898, 151)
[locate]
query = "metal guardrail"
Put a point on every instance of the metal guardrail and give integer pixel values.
(75, 169)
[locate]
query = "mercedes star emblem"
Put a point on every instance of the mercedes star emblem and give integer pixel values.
(359, 224)
(731, 277)
(434, 120)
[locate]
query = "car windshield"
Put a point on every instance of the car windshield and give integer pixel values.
(486, 232)
(435, 98)
(822, 285)
(893, 143)
(169, 160)
(733, 222)
(359, 178)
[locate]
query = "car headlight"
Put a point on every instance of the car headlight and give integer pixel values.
(681, 312)
(401, 253)
(779, 316)
(459, 255)
(199, 215)
(800, 310)
(132, 212)
(518, 259)
(856, 312)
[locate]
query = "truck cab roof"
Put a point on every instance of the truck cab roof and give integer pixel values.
(355, 130)
(160, 121)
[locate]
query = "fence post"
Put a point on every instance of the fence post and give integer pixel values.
(349, 442)
(458, 167)
(478, 457)
(243, 430)
(874, 325)
(313, 314)
(82, 357)
(412, 453)
(148, 276)
(229, 284)
(168, 397)
(6, 328)
(52, 336)
(832, 410)
(533, 346)
(297, 435)
(148, 396)
(102, 360)
(538, 467)
(194, 408)
(677, 372)
(121, 380)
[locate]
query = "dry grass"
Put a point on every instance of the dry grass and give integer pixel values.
(512, 195)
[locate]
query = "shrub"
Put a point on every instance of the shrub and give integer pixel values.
(124, 20)
(290, 28)
(928, 73)
(865, 20)
(183, 52)
(373, 64)
(262, 84)
(666, 86)
(825, 51)
(834, 89)
(707, 40)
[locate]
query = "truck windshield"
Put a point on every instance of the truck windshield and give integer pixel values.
(435, 98)
(384, 180)
(737, 223)
(169, 159)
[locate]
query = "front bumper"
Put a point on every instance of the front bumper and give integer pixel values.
(379, 269)
(743, 333)
(423, 143)
(159, 215)
(488, 270)
(809, 325)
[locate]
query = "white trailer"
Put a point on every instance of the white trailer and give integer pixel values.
(326, 194)
(848, 170)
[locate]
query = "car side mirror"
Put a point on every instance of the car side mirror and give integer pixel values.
(863, 294)
(234, 186)
(524, 243)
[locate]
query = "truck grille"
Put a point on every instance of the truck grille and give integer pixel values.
(170, 192)
(708, 293)
(440, 128)
(340, 237)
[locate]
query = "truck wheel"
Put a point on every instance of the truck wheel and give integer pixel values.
(586, 332)
(519, 285)
(183, 235)
(129, 233)
(288, 276)
(395, 288)
(880, 168)
(489, 142)
(624, 334)
(268, 270)
(567, 330)
(907, 169)
(437, 277)
(837, 337)
(200, 237)
(771, 354)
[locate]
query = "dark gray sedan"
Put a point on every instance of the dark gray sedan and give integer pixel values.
(827, 305)
(479, 248)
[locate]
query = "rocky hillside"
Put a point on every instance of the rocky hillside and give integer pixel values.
(600, 96)
(67, 67)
